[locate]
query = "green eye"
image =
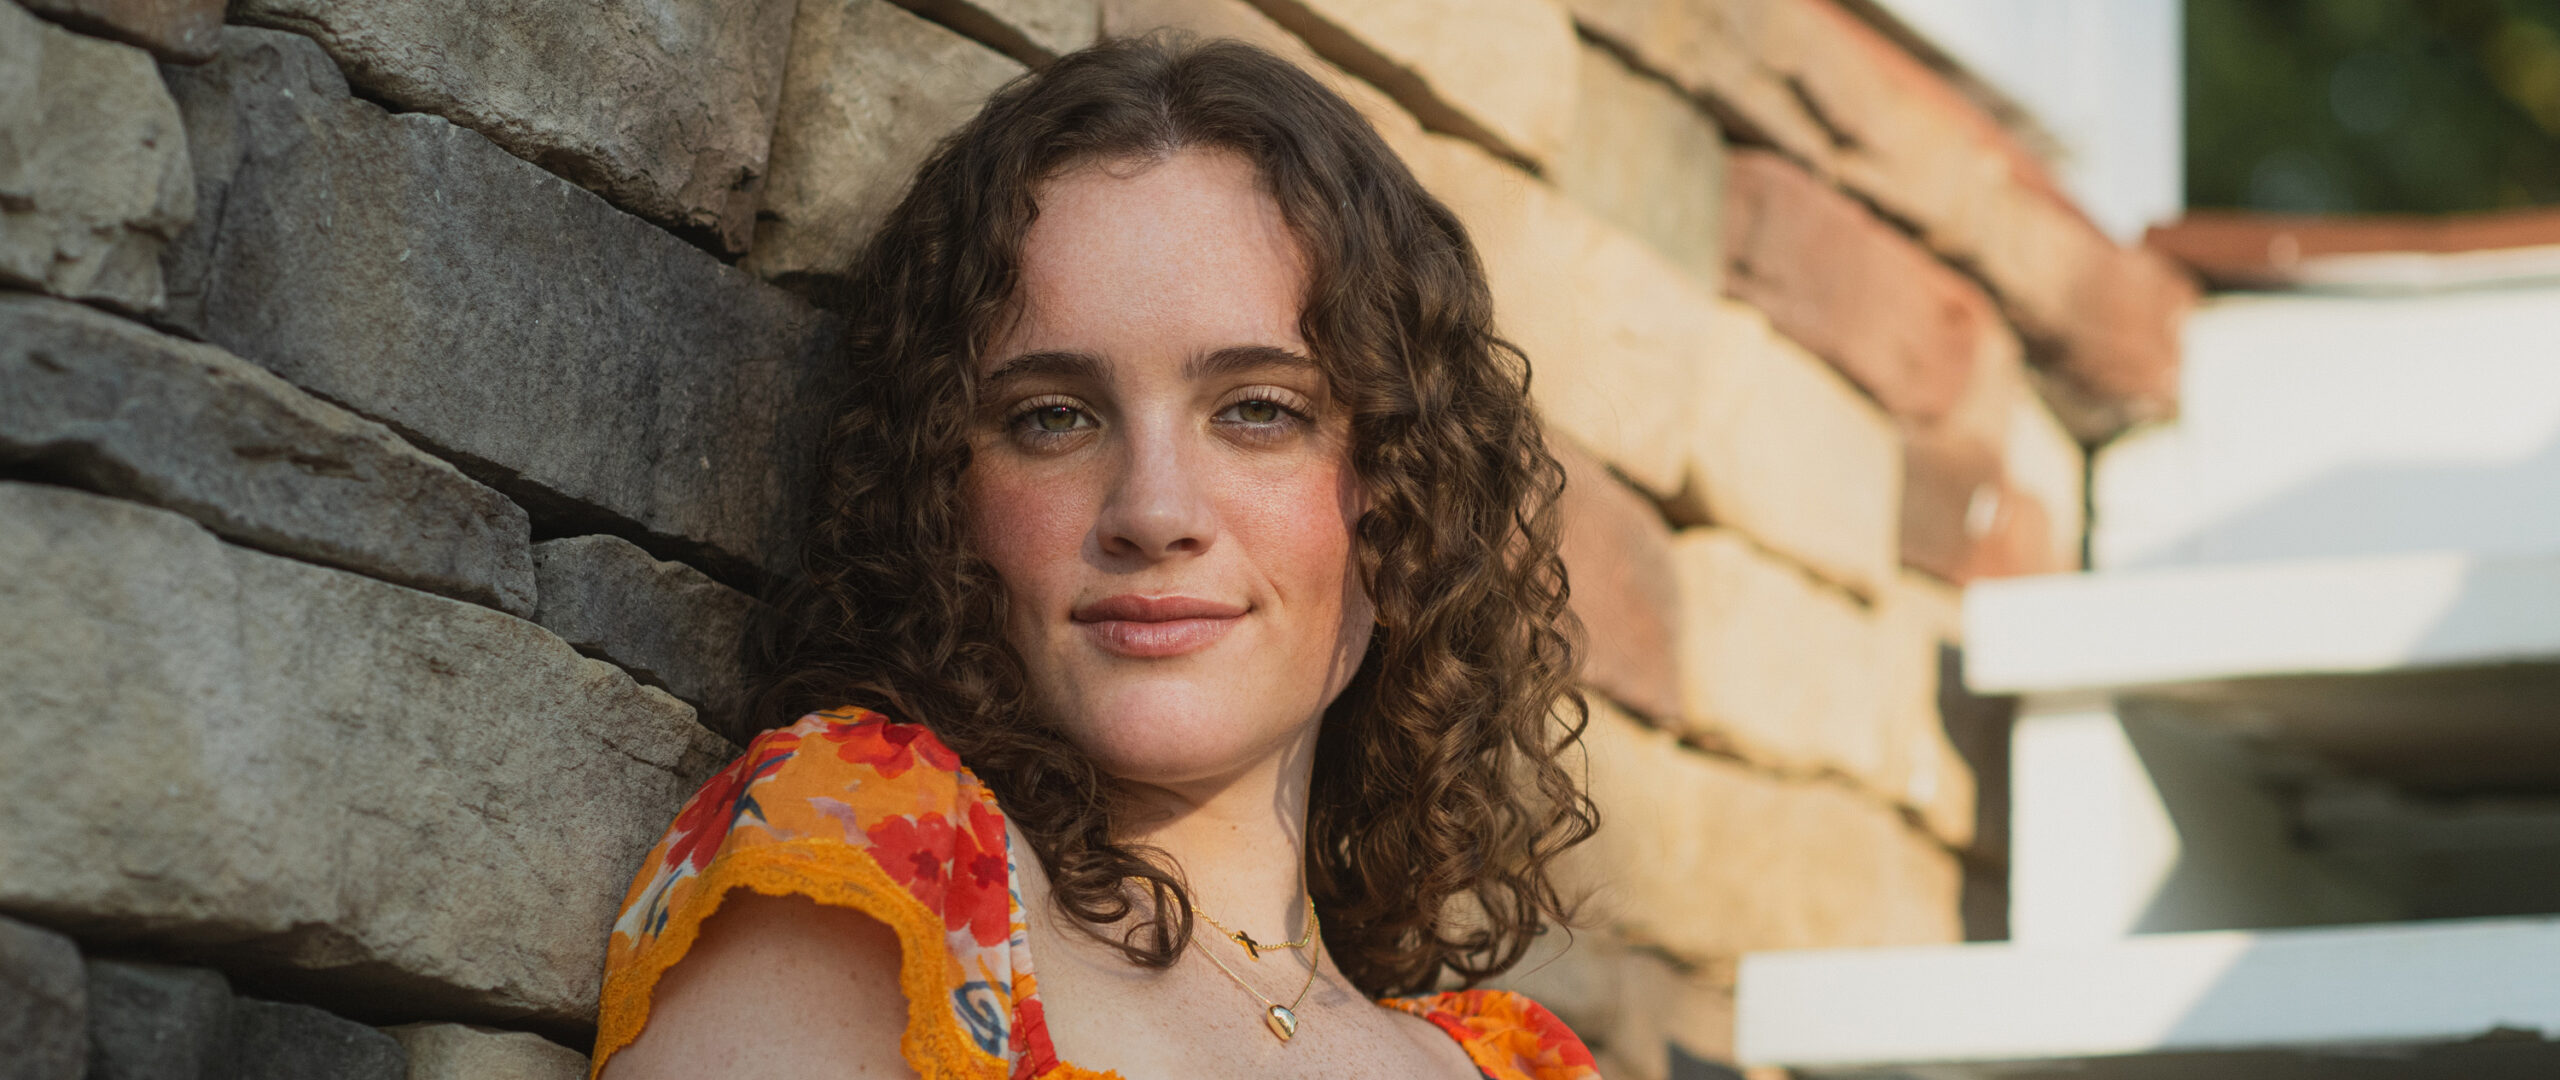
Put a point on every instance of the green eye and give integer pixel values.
(1258, 412)
(1056, 419)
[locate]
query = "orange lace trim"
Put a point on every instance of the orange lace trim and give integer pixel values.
(835, 874)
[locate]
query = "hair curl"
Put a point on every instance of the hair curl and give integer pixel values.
(1438, 803)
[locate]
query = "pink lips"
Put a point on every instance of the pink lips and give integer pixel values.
(1155, 627)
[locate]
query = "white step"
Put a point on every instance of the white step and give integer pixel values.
(2415, 998)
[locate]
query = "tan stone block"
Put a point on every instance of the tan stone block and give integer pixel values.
(1855, 290)
(1793, 675)
(1240, 20)
(471, 1052)
(1499, 73)
(1617, 553)
(1030, 31)
(869, 90)
(1616, 336)
(1783, 448)
(1923, 771)
(1574, 973)
(1830, 91)
(1646, 159)
(1706, 858)
(1993, 489)
(1669, 1005)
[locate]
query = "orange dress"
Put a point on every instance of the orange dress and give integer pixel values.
(851, 810)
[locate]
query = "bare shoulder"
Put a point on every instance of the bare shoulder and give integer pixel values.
(738, 1003)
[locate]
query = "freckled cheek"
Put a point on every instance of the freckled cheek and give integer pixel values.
(1030, 527)
(1298, 524)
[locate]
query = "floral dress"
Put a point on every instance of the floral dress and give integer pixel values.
(851, 810)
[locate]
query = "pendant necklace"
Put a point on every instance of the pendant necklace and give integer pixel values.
(1281, 1019)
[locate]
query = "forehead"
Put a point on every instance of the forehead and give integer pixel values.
(1169, 256)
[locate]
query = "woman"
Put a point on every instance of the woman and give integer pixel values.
(1195, 530)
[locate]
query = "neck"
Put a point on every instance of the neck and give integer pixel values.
(1240, 840)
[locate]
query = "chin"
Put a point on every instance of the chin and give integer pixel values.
(1177, 730)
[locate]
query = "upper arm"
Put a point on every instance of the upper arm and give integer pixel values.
(778, 988)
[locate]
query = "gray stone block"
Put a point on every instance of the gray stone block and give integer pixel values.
(666, 623)
(604, 374)
(183, 31)
(464, 1052)
(94, 178)
(44, 1005)
(156, 1022)
(113, 406)
(664, 106)
(872, 89)
(351, 791)
(272, 1040)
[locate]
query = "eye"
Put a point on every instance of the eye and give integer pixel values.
(1056, 419)
(1258, 412)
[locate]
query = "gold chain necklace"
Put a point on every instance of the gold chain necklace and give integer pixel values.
(1255, 949)
(1281, 1019)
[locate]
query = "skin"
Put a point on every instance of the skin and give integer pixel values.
(1161, 478)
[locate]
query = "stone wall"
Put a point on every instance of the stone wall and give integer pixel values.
(393, 405)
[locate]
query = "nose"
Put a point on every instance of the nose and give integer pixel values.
(1159, 506)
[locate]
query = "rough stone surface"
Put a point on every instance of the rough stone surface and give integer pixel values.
(1617, 551)
(1795, 676)
(597, 370)
(1030, 31)
(356, 792)
(1239, 20)
(1992, 488)
(1685, 1006)
(871, 89)
(664, 622)
(112, 406)
(464, 1052)
(1499, 73)
(1706, 859)
(1783, 448)
(1828, 90)
(273, 1040)
(44, 1005)
(182, 31)
(1647, 160)
(664, 106)
(1615, 334)
(156, 1022)
(1853, 290)
(93, 166)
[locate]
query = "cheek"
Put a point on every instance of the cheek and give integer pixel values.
(1299, 526)
(1031, 529)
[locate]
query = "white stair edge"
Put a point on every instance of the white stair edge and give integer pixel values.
(2399, 984)
(2119, 629)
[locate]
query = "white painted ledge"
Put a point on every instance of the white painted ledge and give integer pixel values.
(2130, 628)
(2405, 984)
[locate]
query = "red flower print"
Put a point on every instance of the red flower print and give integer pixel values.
(1033, 1054)
(889, 748)
(706, 820)
(981, 891)
(915, 850)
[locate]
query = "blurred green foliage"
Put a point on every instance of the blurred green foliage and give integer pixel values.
(2372, 106)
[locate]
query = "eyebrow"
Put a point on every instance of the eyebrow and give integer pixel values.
(1069, 364)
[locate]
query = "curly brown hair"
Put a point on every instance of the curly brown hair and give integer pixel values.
(1438, 803)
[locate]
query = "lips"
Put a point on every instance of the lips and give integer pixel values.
(1156, 627)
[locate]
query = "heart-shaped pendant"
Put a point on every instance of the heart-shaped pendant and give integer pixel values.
(1282, 1022)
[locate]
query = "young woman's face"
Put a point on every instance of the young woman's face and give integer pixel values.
(1161, 478)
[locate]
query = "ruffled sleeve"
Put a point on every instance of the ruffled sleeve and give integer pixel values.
(1507, 1035)
(852, 811)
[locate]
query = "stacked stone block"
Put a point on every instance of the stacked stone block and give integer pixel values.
(401, 404)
